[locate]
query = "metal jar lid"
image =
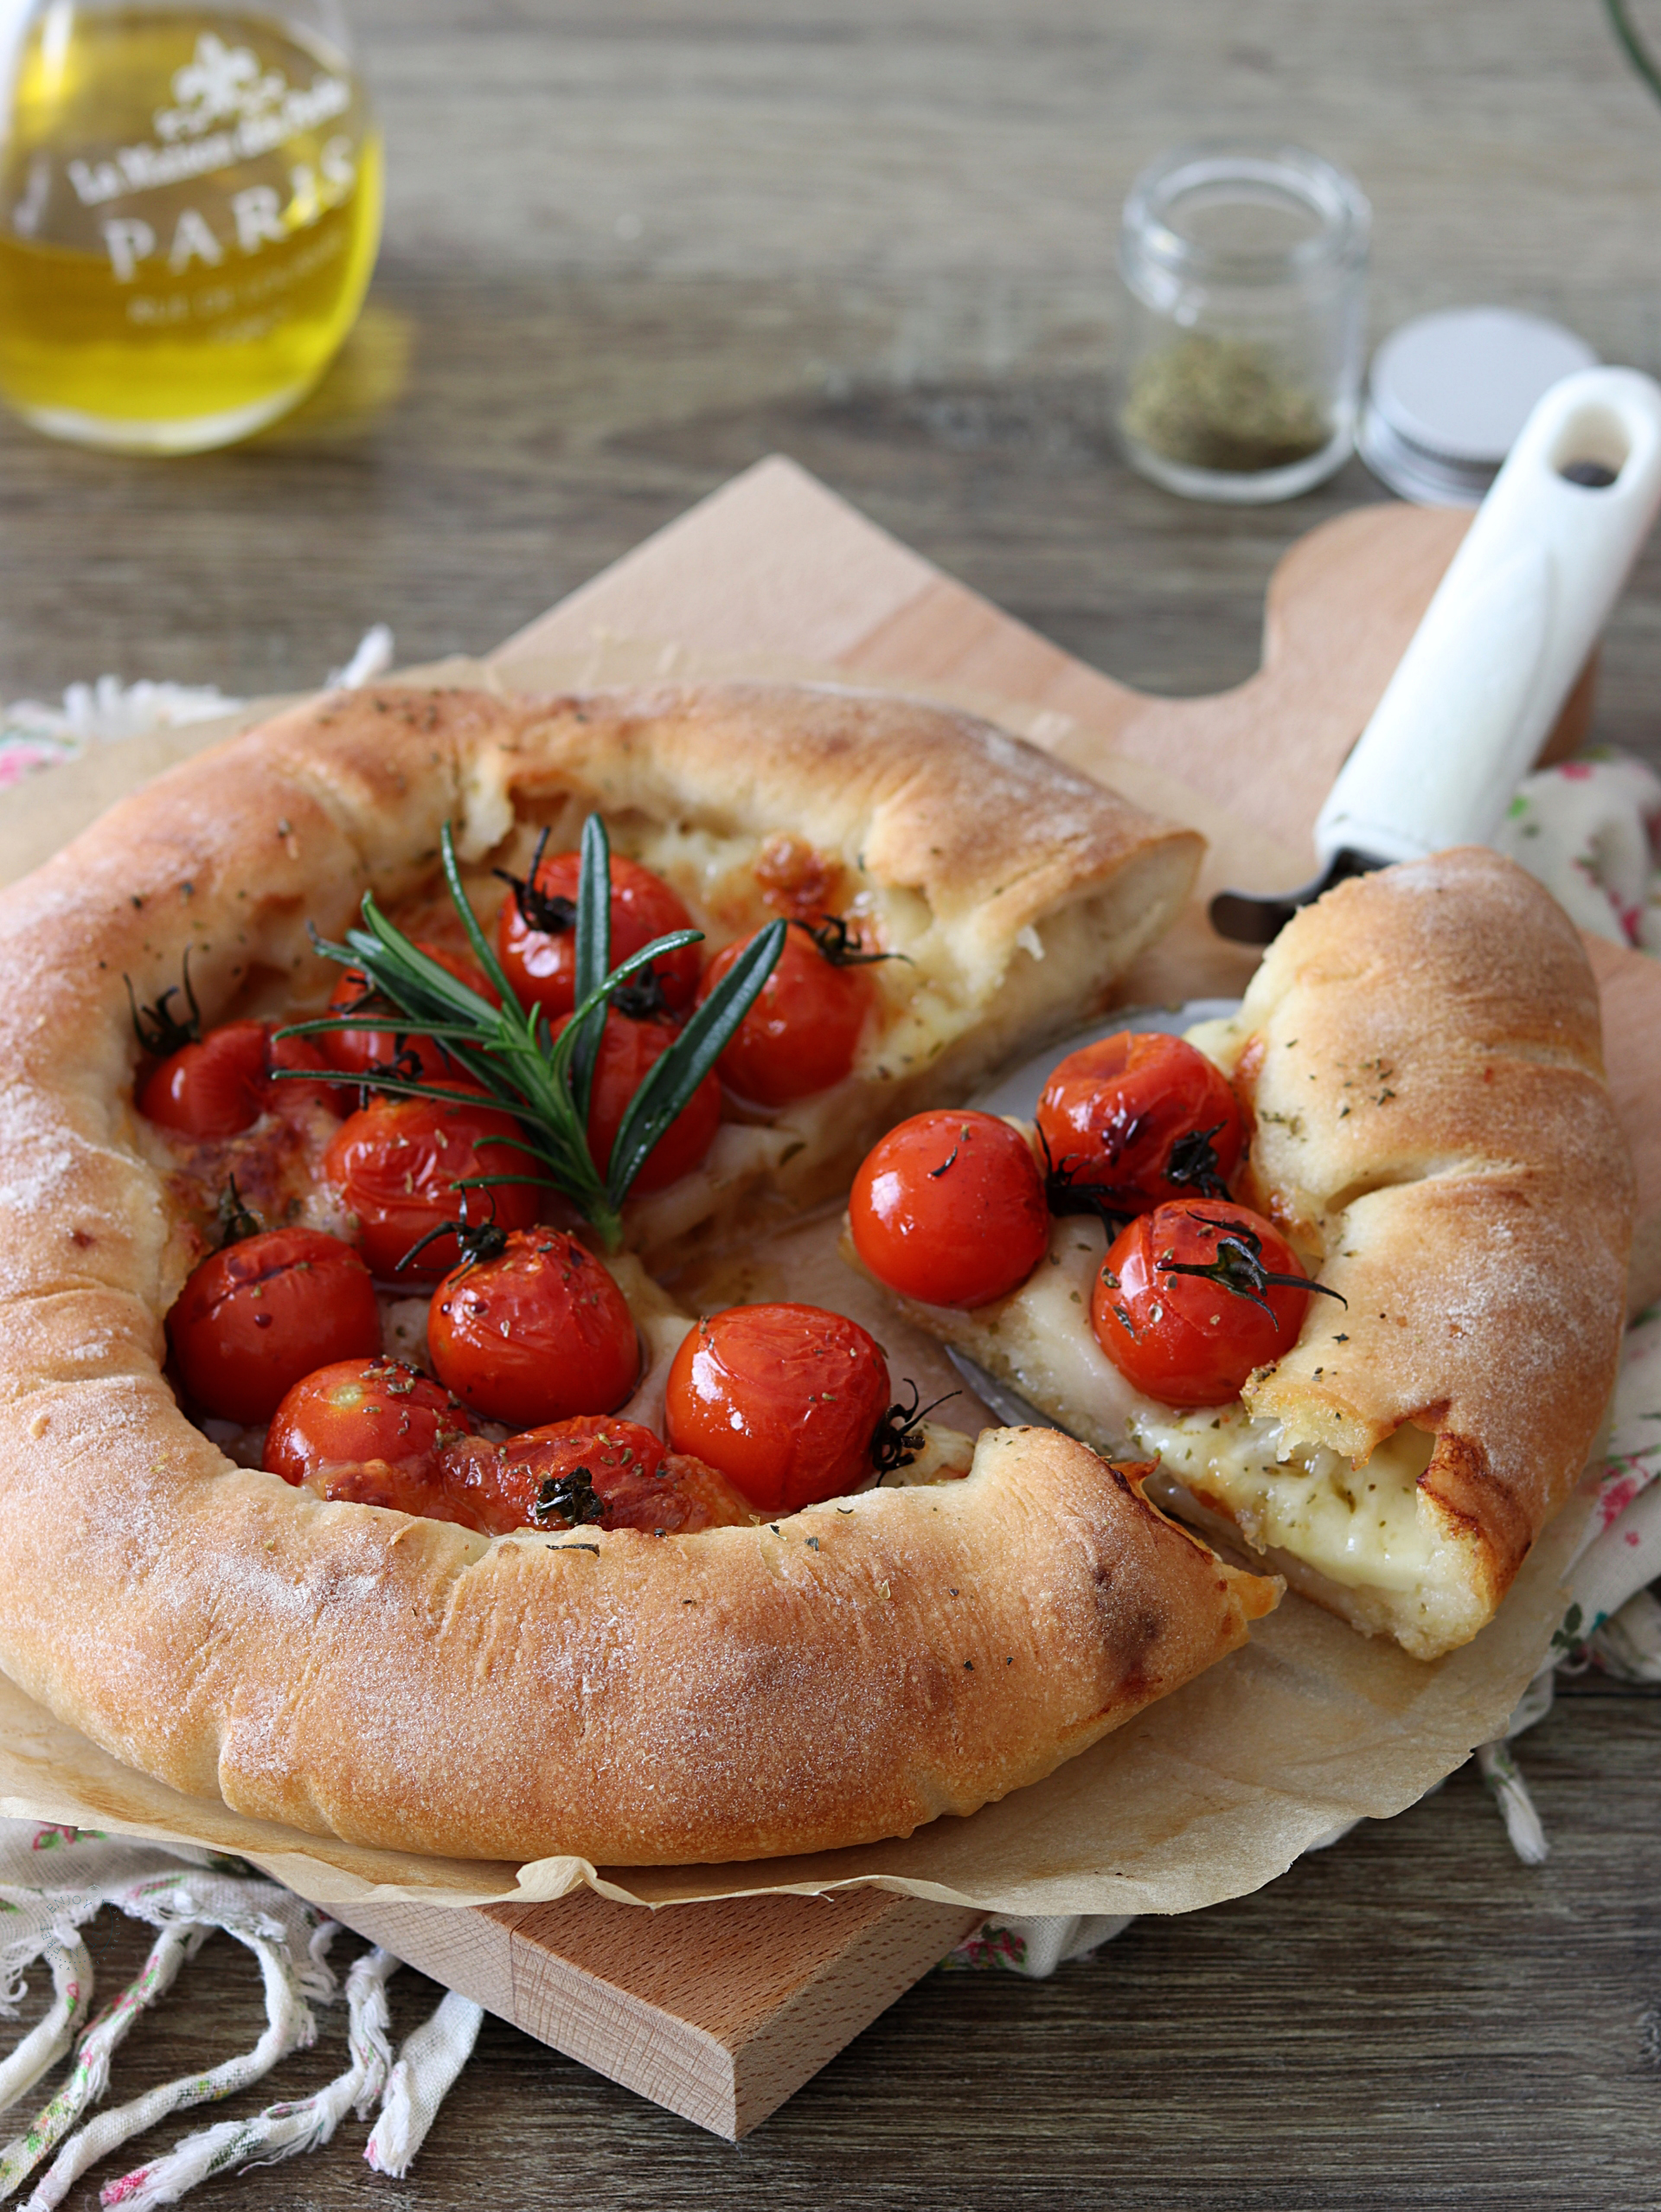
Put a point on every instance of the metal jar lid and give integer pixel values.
(1448, 392)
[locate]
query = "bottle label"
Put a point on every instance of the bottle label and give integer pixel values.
(229, 109)
(190, 207)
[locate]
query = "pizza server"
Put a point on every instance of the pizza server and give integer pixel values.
(1523, 603)
(1475, 695)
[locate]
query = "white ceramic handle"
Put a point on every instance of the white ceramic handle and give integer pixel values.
(1500, 644)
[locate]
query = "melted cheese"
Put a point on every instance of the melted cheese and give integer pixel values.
(1359, 1526)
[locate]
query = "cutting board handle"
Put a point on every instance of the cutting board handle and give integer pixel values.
(1501, 642)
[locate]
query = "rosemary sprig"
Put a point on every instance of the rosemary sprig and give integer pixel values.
(545, 1082)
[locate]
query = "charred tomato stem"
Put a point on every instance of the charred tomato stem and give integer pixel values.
(897, 1438)
(839, 944)
(158, 1032)
(236, 1221)
(1191, 1163)
(538, 909)
(642, 999)
(568, 1501)
(1065, 1194)
(478, 1241)
(1239, 1267)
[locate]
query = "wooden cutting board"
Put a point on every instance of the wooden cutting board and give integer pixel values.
(719, 2011)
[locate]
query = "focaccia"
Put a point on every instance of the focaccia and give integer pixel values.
(831, 1677)
(1419, 1057)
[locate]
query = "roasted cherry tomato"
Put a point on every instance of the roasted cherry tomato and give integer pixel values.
(355, 1052)
(609, 1474)
(628, 1051)
(535, 1333)
(536, 932)
(785, 1400)
(949, 1207)
(1193, 1296)
(255, 1317)
(223, 1085)
(802, 1032)
(396, 1163)
(1142, 1118)
(370, 1431)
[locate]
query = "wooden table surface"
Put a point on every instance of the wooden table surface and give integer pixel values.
(633, 244)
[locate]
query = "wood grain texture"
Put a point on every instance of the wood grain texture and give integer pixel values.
(716, 2012)
(632, 248)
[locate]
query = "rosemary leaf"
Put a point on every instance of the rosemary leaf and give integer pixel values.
(594, 957)
(669, 1084)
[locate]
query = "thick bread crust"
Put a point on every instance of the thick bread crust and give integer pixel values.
(1420, 1051)
(742, 1692)
(990, 853)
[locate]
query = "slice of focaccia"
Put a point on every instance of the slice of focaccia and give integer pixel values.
(1420, 1058)
(631, 1694)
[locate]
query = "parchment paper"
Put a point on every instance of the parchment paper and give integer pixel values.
(1205, 1796)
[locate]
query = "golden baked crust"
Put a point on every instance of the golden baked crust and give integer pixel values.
(1419, 1055)
(742, 1692)
(1422, 1055)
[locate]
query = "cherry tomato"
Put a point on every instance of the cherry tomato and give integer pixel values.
(1192, 1339)
(1144, 1116)
(610, 1474)
(949, 1207)
(628, 1051)
(802, 1032)
(223, 1085)
(541, 961)
(397, 1164)
(784, 1399)
(370, 1431)
(355, 1052)
(255, 1317)
(534, 1334)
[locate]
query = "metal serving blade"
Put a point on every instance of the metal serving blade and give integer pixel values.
(1009, 1405)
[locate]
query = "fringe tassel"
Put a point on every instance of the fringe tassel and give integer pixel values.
(283, 2130)
(290, 2026)
(1510, 1793)
(72, 1982)
(426, 2068)
(89, 2077)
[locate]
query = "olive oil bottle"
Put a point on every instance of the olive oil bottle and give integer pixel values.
(189, 213)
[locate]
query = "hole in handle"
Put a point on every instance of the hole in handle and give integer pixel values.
(1594, 476)
(1592, 448)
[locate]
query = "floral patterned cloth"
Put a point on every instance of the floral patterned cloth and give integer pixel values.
(1590, 831)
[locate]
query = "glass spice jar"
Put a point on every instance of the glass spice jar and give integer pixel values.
(1245, 266)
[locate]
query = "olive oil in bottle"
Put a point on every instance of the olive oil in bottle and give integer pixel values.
(189, 213)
